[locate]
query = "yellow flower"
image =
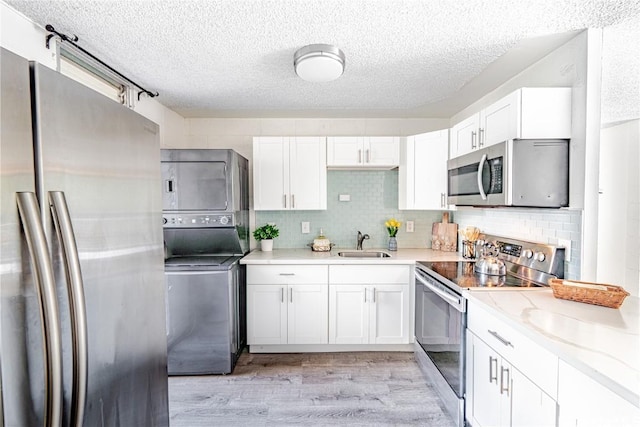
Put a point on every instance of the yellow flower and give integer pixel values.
(392, 226)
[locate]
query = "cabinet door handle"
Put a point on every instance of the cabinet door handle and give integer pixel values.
(284, 196)
(291, 295)
(442, 200)
(473, 140)
(365, 294)
(368, 156)
(293, 201)
(359, 156)
(281, 294)
(481, 137)
(504, 373)
(493, 361)
(374, 295)
(499, 338)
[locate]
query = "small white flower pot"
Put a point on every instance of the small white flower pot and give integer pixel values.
(266, 245)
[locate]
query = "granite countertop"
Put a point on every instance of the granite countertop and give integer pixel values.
(307, 256)
(601, 342)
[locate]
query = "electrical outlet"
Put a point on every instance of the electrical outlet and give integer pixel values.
(566, 243)
(344, 197)
(306, 227)
(409, 226)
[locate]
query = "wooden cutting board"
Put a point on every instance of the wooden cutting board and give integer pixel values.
(444, 235)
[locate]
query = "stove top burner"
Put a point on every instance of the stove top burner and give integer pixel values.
(461, 274)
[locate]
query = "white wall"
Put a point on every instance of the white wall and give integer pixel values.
(618, 237)
(238, 133)
(27, 39)
(619, 207)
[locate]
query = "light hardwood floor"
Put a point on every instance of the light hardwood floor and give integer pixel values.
(356, 389)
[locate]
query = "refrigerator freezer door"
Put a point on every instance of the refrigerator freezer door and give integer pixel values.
(21, 350)
(106, 160)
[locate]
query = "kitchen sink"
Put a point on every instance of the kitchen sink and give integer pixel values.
(363, 254)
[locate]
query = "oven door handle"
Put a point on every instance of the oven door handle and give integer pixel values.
(456, 301)
(480, 170)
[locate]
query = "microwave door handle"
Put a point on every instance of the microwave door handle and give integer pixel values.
(480, 169)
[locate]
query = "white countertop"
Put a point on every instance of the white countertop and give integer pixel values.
(307, 256)
(601, 342)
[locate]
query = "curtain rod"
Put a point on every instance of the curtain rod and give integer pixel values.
(72, 41)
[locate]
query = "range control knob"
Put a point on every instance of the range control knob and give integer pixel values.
(540, 257)
(224, 220)
(164, 220)
(527, 253)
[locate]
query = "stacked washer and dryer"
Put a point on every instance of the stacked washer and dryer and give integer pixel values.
(206, 233)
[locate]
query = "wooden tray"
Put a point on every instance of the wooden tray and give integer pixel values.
(588, 292)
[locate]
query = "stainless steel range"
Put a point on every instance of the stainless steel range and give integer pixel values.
(441, 308)
(205, 233)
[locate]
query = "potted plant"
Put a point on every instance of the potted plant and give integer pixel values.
(265, 236)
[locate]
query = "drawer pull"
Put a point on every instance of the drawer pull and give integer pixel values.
(287, 274)
(493, 361)
(499, 338)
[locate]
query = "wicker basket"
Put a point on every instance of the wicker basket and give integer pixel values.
(591, 293)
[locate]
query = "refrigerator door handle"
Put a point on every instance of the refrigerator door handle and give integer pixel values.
(46, 289)
(75, 291)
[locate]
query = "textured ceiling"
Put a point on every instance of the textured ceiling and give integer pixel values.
(234, 57)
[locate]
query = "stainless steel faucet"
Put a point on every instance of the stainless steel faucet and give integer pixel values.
(361, 238)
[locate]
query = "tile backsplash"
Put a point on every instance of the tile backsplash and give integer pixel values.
(536, 225)
(374, 199)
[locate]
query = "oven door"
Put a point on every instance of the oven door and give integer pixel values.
(440, 326)
(480, 178)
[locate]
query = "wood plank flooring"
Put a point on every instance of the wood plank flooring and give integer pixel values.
(356, 389)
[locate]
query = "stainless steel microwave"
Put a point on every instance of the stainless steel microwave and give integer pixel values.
(519, 172)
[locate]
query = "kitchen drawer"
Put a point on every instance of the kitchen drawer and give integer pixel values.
(535, 362)
(369, 274)
(286, 274)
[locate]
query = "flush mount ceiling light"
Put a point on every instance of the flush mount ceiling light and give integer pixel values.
(319, 63)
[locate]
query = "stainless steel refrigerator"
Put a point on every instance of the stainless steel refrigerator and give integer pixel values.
(82, 299)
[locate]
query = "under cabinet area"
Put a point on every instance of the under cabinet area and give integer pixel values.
(511, 381)
(369, 304)
(287, 305)
(363, 152)
(527, 113)
(289, 173)
(422, 175)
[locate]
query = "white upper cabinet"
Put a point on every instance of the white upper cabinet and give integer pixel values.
(363, 151)
(464, 136)
(423, 171)
(527, 113)
(289, 173)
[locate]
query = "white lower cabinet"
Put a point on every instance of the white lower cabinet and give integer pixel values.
(502, 395)
(287, 305)
(369, 304)
(511, 380)
(584, 402)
